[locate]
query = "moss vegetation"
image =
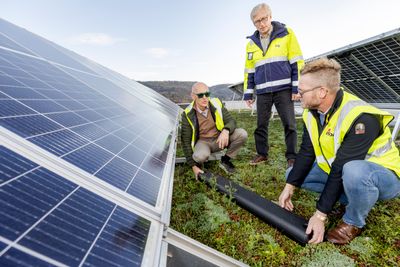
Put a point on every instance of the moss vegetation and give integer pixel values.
(213, 219)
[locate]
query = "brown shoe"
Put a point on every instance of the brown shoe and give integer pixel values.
(258, 159)
(290, 163)
(343, 233)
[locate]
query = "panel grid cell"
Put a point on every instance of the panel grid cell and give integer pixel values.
(45, 213)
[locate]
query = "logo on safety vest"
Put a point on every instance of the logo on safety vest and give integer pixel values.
(250, 56)
(329, 132)
(360, 128)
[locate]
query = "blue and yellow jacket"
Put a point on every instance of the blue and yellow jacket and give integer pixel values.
(276, 70)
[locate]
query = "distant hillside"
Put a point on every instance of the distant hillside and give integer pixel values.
(176, 91)
(179, 92)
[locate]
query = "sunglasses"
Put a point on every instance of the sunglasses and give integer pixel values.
(201, 95)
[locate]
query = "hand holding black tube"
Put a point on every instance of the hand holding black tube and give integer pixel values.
(285, 199)
(316, 227)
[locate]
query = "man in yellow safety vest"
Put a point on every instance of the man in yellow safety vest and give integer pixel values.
(272, 66)
(347, 154)
(208, 127)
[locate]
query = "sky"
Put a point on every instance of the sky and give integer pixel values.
(156, 40)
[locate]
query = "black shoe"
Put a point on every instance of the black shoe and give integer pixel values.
(227, 165)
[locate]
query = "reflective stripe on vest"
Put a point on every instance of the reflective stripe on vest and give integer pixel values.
(187, 110)
(310, 125)
(380, 151)
(345, 110)
(270, 60)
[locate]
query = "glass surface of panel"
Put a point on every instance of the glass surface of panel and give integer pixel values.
(37, 45)
(118, 172)
(145, 186)
(84, 113)
(13, 165)
(56, 218)
(14, 257)
(6, 42)
(371, 71)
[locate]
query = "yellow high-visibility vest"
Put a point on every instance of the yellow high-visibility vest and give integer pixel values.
(383, 151)
(219, 121)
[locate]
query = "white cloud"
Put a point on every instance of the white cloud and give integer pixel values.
(157, 52)
(101, 39)
(161, 66)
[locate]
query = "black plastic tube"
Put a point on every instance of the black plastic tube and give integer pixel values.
(288, 223)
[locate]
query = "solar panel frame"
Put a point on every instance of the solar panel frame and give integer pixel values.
(371, 68)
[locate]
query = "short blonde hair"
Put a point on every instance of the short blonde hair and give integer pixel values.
(326, 71)
(258, 7)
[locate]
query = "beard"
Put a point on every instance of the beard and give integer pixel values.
(311, 104)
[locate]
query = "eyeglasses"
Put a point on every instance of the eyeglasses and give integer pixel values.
(201, 95)
(263, 20)
(302, 92)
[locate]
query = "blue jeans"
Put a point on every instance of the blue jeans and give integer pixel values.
(364, 184)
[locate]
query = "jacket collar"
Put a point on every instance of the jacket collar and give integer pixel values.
(279, 30)
(210, 106)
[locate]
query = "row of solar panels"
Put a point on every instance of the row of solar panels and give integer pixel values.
(85, 159)
(371, 68)
(86, 163)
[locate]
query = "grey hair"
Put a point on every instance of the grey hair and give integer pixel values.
(258, 7)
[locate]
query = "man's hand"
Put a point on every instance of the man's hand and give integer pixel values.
(196, 171)
(223, 139)
(249, 102)
(316, 226)
(285, 197)
(296, 97)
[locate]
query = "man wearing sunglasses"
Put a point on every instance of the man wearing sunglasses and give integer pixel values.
(347, 154)
(208, 127)
(273, 61)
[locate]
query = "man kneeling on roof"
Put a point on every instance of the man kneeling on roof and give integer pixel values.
(347, 154)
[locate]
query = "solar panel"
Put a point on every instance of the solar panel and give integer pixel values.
(86, 159)
(46, 120)
(45, 213)
(371, 68)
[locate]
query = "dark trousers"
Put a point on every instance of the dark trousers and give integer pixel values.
(285, 107)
